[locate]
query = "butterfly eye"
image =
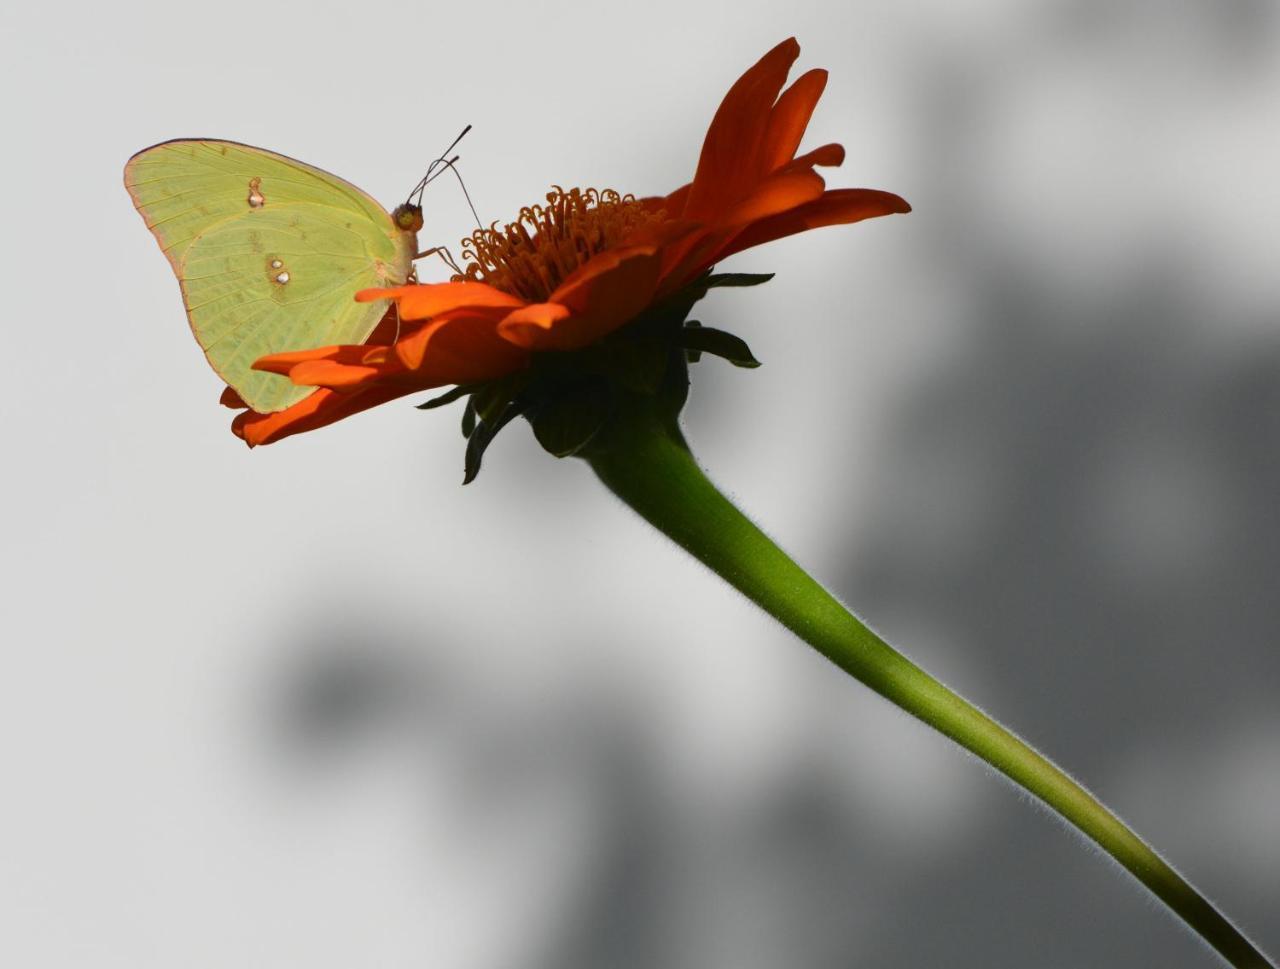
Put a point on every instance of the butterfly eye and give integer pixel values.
(408, 217)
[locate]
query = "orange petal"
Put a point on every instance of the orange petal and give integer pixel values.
(526, 326)
(319, 409)
(838, 207)
(610, 289)
(455, 350)
(790, 117)
(389, 328)
(828, 156)
(780, 192)
(231, 399)
(419, 301)
(459, 349)
(331, 374)
(655, 238)
(673, 203)
(690, 256)
(731, 154)
(282, 363)
(777, 193)
(613, 273)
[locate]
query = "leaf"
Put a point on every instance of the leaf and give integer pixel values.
(736, 279)
(448, 397)
(718, 343)
(567, 424)
(482, 437)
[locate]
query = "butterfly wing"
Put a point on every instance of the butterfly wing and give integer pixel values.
(268, 252)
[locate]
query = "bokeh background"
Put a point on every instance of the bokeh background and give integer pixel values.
(318, 705)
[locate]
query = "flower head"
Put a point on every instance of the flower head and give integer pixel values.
(590, 287)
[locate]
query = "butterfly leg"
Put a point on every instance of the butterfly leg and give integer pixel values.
(445, 256)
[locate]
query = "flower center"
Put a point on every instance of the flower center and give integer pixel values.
(530, 257)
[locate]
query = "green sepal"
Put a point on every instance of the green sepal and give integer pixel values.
(469, 417)
(491, 398)
(448, 397)
(482, 436)
(718, 343)
(734, 279)
(636, 364)
(568, 423)
(692, 356)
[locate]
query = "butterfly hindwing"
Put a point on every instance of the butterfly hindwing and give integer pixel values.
(283, 282)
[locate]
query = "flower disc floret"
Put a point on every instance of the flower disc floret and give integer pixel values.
(533, 255)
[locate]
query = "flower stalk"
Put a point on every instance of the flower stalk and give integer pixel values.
(642, 458)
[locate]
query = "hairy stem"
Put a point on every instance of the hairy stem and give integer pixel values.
(644, 460)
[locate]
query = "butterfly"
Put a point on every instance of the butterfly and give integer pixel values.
(268, 252)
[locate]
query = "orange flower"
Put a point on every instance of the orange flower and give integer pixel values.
(566, 274)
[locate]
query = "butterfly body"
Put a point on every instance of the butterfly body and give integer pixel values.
(268, 252)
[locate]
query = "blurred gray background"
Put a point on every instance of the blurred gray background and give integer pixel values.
(317, 705)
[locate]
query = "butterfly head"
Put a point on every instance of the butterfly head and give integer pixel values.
(408, 217)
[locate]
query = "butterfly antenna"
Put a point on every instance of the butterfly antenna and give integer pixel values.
(449, 164)
(443, 159)
(415, 197)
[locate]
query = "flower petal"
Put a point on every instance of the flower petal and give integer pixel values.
(677, 201)
(283, 363)
(526, 327)
(459, 349)
(731, 154)
(614, 283)
(610, 289)
(332, 374)
(419, 301)
(828, 156)
(790, 118)
(673, 203)
(777, 193)
(837, 207)
(320, 408)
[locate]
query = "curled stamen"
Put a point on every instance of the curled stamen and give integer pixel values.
(531, 256)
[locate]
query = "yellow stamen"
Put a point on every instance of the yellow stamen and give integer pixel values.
(530, 257)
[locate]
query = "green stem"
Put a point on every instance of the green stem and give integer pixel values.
(642, 457)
